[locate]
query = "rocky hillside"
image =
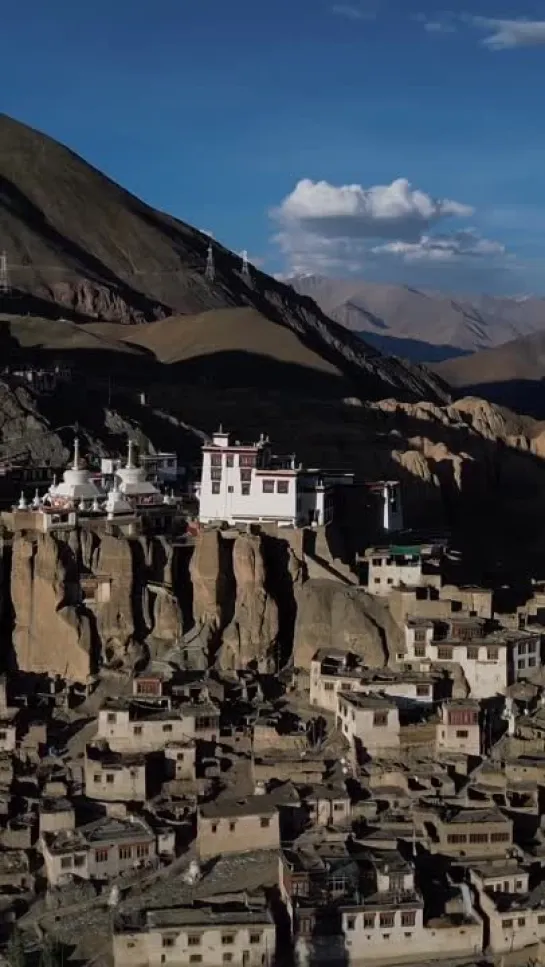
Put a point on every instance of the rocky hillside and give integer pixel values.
(81, 247)
(512, 374)
(421, 325)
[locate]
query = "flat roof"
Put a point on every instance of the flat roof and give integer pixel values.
(238, 806)
(362, 700)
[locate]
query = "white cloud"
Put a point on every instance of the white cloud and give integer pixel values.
(351, 12)
(505, 34)
(352, 211)
(443, 248)
(328, 229)
(438, 25)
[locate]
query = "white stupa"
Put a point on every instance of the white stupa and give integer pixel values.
(116, 504)
(133, 483)
(76, 484)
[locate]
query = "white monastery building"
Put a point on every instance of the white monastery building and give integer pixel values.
(245, 483)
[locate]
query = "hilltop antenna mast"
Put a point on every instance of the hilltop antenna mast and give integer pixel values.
(210, 270)
(245, 266)
(4, 276)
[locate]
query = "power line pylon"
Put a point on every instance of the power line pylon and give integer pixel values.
(210, 270)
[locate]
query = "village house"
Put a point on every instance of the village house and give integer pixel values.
(460, 641)
(465, 832)
(515, 917)
(459, 730)
(236, 931)
(440, 603)
(402, 565)
(8, 730)
(100, 850)
(112, 777)
(180, 761)
(236, 825)
(370, 723)
(55, 815)
(130, 727)
(332, 671)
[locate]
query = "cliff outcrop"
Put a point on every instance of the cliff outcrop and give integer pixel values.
(252, 634)
(332, 615)
(52, 634)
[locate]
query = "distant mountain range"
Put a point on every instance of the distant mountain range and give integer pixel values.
(419, 325)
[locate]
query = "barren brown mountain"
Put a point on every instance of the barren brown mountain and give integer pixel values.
(422, 325)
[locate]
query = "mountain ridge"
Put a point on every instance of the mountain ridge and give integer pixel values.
(82, 247)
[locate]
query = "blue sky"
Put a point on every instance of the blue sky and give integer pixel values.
(393, 142)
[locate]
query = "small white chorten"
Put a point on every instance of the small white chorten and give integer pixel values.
(116, 504)
(76, 484)
(133, 481)
(22, 505)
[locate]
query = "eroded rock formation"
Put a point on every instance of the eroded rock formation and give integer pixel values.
(51, 633)
(252, 635)
(332, 615)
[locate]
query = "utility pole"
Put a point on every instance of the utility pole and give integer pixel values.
(210, 270)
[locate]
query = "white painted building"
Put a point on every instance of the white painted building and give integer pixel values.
(100, 850)
(128, 727)
(369, 722)
(210, 934)
(333, 671)
(459, 730)
(245, 483)
(483, 660)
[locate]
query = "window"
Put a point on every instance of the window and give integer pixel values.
(111, 718)
(227, 957)
(142, 850)
(454, 838)
(245, 476)
(255, 938)
(386, 919)
(79, 860)
(215, 475)
(531, 662)
(408, 919)
(419, 651)
(230, 460)
(462, 733)
(521, 921)
(125, 852)
(194, 940)
(110, 778)
(380, 718)
(245, 490)
(368, 921)
(492, 654)
(518, 885)
(215, 459)
(66, 863)
(407, 935)
(167, 728)
(338, 807)
(522, 649)
(214, 827)
(137, 730)
(215, 488)
(473, 654)
(101, 855)
(97, 777)
(232, 827)
(3, 736)
(230, 490)
(227, 938)
(168, 941)
(283, 487)
(505, 924)
(246, 460)
(422, 691)
(268, 486)
(264, 822)
(195, 959)
(478, 837)
(444, 654)
(420, 635)
(328, 686)
(499, 837)
(540, 920)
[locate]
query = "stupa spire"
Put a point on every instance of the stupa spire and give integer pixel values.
(75, 465)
